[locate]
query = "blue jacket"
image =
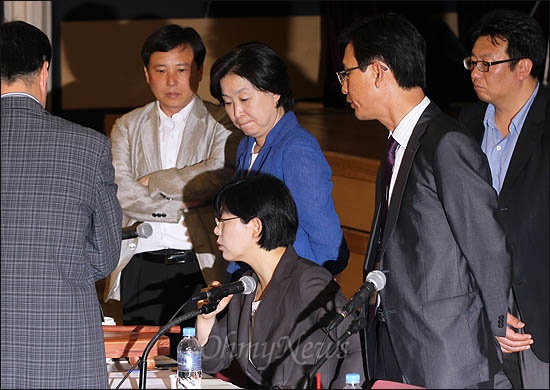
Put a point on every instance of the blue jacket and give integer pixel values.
(293, 155)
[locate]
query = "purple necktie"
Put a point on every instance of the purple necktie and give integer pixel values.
(387, 169)
(386, 166)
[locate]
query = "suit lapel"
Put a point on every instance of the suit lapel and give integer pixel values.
(277, 288)
(192, 134)
(150, 141)
(529, 139)
(261, 159)
(404, 169)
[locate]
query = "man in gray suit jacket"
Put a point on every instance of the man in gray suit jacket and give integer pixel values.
(439, 245)
(60, 228)
(171, 157)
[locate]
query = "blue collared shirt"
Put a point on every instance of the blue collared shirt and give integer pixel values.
(499, 149)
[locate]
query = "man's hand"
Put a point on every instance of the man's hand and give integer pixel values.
(514, 341)
(144, 180)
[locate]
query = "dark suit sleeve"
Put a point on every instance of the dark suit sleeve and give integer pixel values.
(104, 238)
(216, 353)
(463, 180)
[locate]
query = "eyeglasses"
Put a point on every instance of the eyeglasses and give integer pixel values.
(221, 220)
(483, 66)
(343, 74)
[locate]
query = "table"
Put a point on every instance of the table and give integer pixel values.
(158, 378)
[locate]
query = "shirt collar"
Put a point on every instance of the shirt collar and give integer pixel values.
(517, 120)
(180, 116)
(404, 129)
(21, 94)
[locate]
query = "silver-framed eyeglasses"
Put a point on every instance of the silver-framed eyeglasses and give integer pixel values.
(344, 74)
(220, 220)
(483, 66)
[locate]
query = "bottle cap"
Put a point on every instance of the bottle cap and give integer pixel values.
(353, 378)
(188, 332)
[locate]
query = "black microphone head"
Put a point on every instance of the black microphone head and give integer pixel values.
(377, 278)
(144, 230)
(249, 284)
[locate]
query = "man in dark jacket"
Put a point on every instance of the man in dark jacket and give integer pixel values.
(512, 125)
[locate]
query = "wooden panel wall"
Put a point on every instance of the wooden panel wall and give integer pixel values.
(101, 65)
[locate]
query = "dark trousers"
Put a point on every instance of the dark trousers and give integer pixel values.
(153, 291)
(385, 362)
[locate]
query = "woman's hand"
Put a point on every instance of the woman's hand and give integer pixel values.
(205, 322)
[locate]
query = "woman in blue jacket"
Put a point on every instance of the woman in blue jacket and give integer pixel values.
(252, 82)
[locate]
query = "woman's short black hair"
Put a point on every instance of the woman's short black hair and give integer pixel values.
(265, 197)
(260, 65)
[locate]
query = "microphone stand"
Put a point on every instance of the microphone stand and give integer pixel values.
(207, 308)
(355, 326)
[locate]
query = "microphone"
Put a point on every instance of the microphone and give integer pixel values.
(375, 281)
(141, 230)
(244, 285)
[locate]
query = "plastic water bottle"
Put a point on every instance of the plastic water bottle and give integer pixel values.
(189, 361)
(352, 381)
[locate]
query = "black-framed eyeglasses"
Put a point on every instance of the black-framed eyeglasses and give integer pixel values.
(219, 221)
(344, 74)
(483, 66)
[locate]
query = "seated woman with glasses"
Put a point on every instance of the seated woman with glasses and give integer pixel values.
(252, 82)
(277, 332)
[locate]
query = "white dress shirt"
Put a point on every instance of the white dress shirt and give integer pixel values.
(169, 235)
(402, 133)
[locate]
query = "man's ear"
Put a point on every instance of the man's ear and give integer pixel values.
(43, 82)
(524, 67)
(378, 71)
(257, 227)
(44, 74)
(146, 73)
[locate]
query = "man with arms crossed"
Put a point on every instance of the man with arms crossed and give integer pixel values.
(171, 157)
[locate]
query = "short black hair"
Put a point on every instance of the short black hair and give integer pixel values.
(392, 39)
(260, 65)
(23, 48)
(522, 33)
(171, 36)
(265, 197)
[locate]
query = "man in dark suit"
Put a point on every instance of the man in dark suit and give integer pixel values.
(512, 124)
(434, 235)
(60, 228)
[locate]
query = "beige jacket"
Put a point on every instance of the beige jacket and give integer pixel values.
(206, 161)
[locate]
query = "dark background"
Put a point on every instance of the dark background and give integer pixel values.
(448, 83)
